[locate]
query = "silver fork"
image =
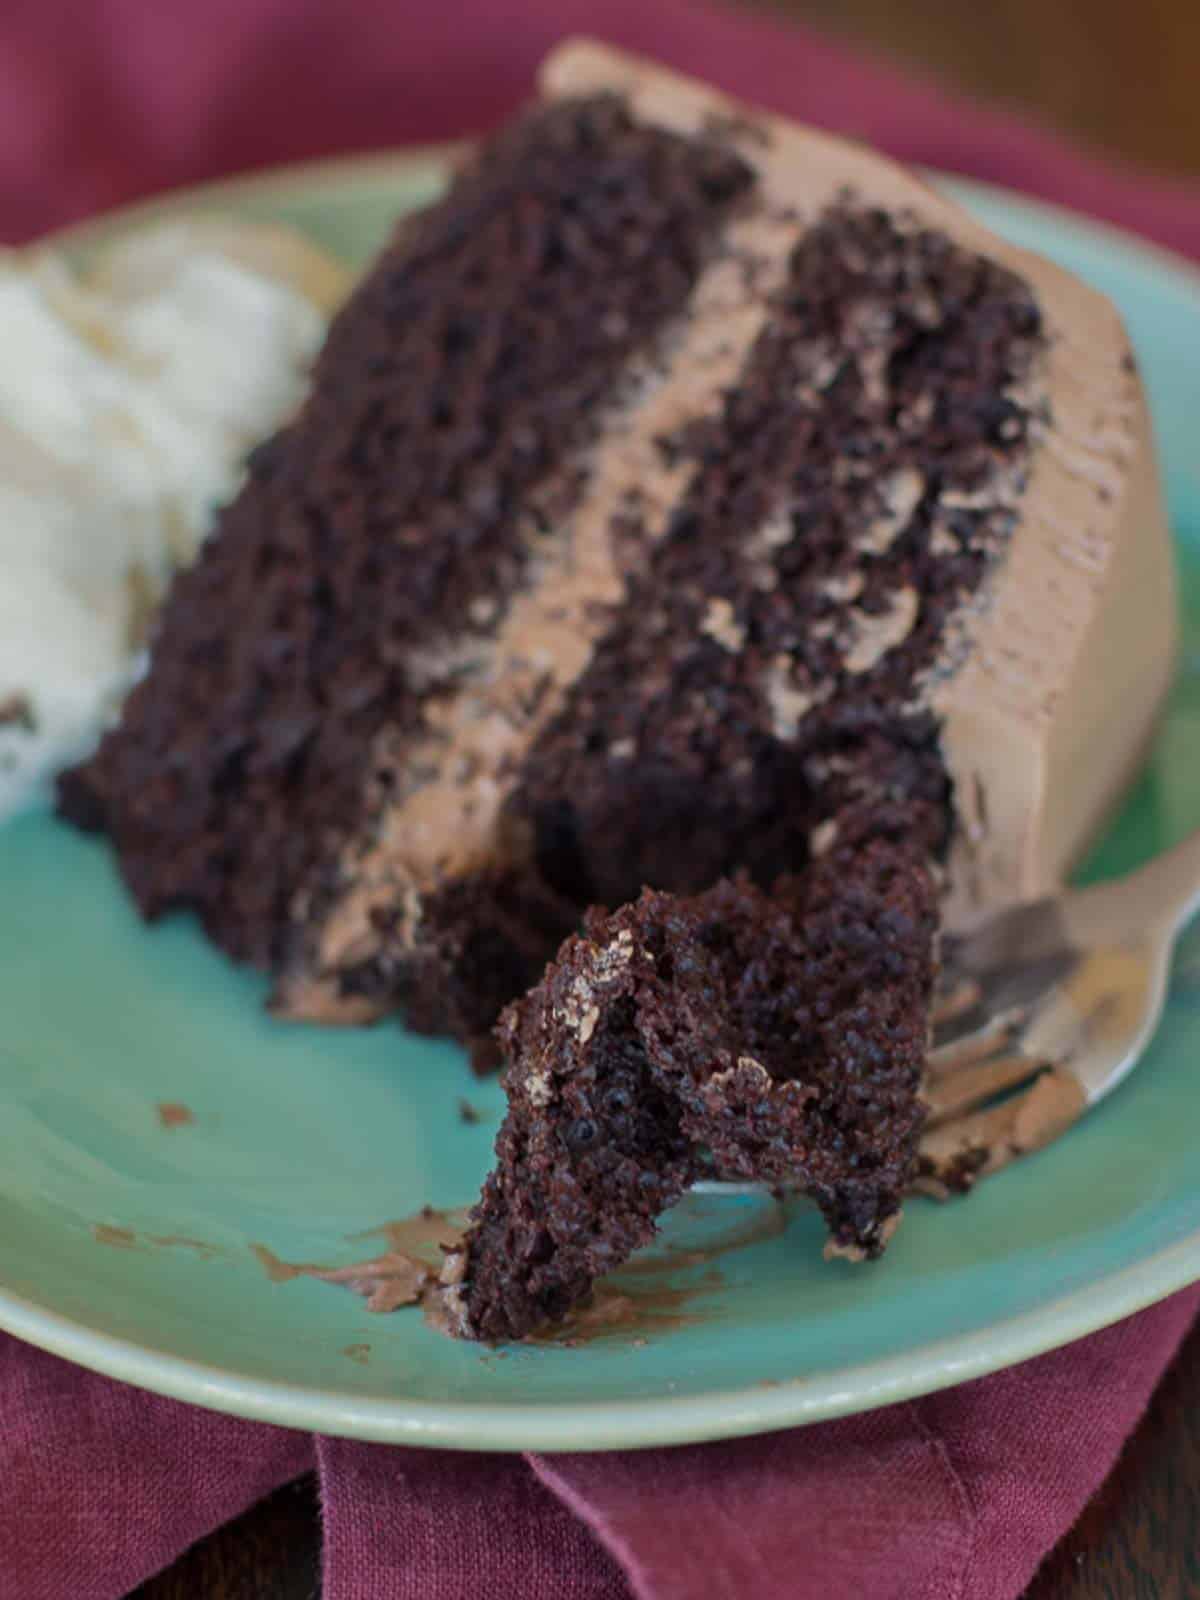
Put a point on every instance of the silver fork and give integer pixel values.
(1043, 1009)
(1049, 1005)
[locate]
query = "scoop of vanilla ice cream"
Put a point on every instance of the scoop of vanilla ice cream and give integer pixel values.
(127, 408)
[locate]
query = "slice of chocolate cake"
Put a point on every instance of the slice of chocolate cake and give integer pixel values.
(369, 630)
(680, 483)
(732, 1035)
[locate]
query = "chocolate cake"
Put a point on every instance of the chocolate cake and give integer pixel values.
(678, 479)
(686, 499)
(734, 1034)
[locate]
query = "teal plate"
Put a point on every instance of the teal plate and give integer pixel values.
(126, 1244)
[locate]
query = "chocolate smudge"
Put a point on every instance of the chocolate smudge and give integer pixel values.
(173, 1114)
(181, 1241)
(16, 711)
(118, 1238)
(630, 1302)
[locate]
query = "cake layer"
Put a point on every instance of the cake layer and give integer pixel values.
(806, 533)
(1059, 676)
(376, 547)
(446, 831)
(732, 1034)
(769, 665)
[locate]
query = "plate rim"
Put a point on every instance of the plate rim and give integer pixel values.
(592, 1426)
(583, 1425)
(410, 160)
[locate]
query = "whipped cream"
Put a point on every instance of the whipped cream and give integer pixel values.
(126, 413)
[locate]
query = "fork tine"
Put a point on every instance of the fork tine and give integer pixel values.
(952, 1003)
(1103, 995)
(954, 1155)
(965, 1049)
(1025, 932)
(1003, 990)
(956, 1093)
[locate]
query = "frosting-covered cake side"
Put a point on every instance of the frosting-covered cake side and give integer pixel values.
(1048, 697)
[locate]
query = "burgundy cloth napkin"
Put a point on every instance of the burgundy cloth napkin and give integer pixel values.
(954, 1497)
(105, 102)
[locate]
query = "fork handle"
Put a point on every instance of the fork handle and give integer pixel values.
(1163, 894)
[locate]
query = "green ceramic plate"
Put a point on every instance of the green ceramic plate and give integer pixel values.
(127, 1245)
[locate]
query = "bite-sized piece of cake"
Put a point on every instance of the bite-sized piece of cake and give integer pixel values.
(732, 1035)
(681, 478)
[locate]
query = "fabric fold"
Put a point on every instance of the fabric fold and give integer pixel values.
(103, 1485)
(956, 1496)
(404, 1524)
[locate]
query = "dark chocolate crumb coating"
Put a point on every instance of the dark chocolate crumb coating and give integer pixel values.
(733, 1034)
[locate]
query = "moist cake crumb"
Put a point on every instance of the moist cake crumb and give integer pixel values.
(362, 571)
(739, 1035)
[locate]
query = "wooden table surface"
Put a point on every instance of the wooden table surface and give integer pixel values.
(1117, 74)
(1123, 75)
